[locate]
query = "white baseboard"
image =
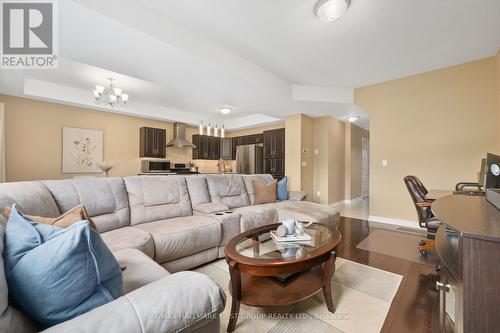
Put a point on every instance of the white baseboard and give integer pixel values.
(347, 202)
(393, 221)
(338, 203)
(354, 201)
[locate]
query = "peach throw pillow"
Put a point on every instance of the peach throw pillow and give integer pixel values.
(75, 214)
(264, 193)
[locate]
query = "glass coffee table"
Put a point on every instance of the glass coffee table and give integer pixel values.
(266, 273)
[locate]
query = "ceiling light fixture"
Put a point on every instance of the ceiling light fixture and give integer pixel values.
(331, 10)
(352, 119)
(110, 95)
(225, 109)
(207, 129)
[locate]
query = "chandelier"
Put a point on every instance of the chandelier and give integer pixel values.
(110, 95)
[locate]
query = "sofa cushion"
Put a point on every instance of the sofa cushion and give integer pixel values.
(56, 274)
(309, 211)
(210, 207)
(248, 179)
(140, 269)
(264, 193)
(182, 236)
(31, 198)
(105, 199)
(198, 189)
(157, 198)
(229, 190)
(256, 216)
(129, 238)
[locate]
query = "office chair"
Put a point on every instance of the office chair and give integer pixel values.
(426, 219)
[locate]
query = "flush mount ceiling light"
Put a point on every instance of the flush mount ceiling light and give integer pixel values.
(110, 95)
(225, 109)
(352, 119)
(331, 10)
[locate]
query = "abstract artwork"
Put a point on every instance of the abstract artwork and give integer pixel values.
(82, 150)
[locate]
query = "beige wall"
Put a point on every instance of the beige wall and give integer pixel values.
(354, 172)
(336, 161)
(306, 156)
(293, 151)
(329, 162)
(33, 138)
(299, 154)
(436, 125)
(256, 130)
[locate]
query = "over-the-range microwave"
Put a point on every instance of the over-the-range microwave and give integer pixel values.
(155, 166)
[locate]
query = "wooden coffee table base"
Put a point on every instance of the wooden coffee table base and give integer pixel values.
(265, 291)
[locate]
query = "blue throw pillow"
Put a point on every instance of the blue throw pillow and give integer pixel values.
(56, 274)
(282, 189)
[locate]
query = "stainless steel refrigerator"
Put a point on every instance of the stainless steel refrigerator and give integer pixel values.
(250, 159)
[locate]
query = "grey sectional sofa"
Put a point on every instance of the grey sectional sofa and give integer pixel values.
(157, 226)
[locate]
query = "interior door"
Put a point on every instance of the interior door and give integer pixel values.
(365, 166)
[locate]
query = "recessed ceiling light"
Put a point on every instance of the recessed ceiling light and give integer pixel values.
(352, 119)
(331, 10)
(225, 109)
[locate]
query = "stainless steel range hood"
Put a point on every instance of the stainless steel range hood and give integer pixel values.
(179, 140)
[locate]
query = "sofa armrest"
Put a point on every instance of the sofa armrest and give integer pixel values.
(297, 195)
(210, 208)
(181, 302)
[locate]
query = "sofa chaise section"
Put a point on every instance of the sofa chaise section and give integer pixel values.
(154, 300)
(181, 302)
(294, 207)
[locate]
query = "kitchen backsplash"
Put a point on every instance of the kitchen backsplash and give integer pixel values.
(183, 155)
(208, 166)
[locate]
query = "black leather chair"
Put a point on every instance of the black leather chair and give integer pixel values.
(426, 219)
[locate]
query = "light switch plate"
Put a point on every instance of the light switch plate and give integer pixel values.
(384, 163)
(318, 193)
(316, 151)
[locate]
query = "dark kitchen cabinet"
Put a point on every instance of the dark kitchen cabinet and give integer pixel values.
(274, 152)
(275, 166)
(255, 138)
(226, 148)
(274, 143)
(234, 145)
(152, 142)
(214, 150)
(245, 140)
(207, 147)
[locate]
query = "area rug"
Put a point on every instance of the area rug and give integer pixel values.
(385, 241)
(362, 296)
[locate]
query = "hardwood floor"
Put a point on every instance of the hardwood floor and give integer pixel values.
(411, 309)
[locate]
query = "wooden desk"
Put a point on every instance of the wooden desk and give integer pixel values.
(438, 194)
(468, 244)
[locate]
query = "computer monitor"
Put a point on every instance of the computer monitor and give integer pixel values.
(492, 171)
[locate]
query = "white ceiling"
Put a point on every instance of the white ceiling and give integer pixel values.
(180, 60)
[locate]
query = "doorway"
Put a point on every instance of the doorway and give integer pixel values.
(365, 167)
